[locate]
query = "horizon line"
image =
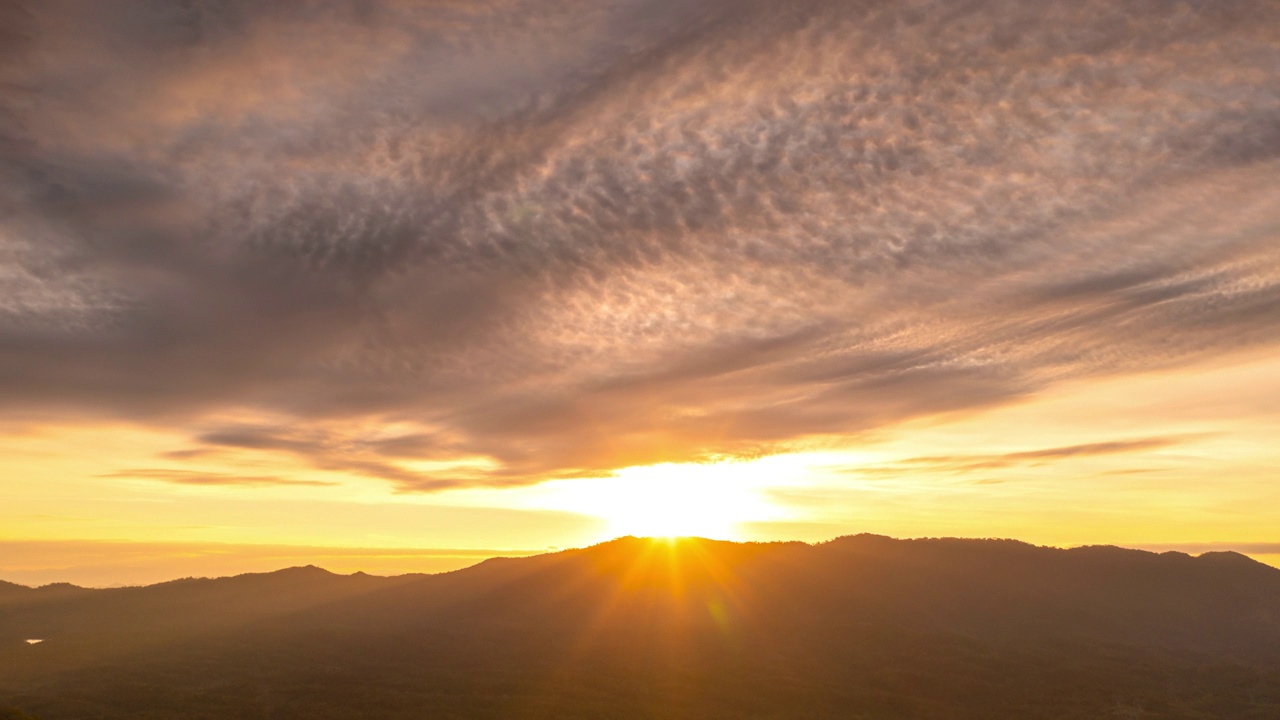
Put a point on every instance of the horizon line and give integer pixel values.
(1250, 550)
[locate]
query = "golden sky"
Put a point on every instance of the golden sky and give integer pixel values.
(396, 286)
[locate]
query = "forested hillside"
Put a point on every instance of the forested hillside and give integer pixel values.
(861, 627)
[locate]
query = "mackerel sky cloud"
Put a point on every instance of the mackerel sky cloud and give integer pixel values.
(487, 243)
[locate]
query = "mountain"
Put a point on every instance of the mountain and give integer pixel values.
(860, 627)
(9, 590)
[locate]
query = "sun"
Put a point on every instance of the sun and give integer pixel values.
(711, 500)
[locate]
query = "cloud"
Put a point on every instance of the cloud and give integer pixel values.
(1089, 449)
(569, 236)
(967, 463)
(185, 477)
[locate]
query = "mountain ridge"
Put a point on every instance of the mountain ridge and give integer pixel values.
(861, 624)
(843, 541)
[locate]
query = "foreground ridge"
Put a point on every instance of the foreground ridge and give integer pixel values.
(671, 628)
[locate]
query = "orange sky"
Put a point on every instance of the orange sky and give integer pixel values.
(1122, 460)
(399, 288)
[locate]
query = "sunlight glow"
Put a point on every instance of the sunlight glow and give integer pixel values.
(706, 500)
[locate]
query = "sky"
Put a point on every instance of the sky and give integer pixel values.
(393, 286)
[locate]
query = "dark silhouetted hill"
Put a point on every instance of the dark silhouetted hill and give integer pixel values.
(11, 590)
(860, 627)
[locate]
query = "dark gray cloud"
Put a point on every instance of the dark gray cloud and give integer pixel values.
(572, 235)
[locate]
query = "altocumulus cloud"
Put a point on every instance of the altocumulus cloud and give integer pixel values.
(570, 235)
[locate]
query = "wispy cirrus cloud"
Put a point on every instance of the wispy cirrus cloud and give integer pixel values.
(980, 462)
(576, 235)
(186, 477)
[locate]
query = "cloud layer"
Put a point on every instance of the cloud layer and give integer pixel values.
(564, 237)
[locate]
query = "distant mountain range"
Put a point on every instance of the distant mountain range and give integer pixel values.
(860, 627)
